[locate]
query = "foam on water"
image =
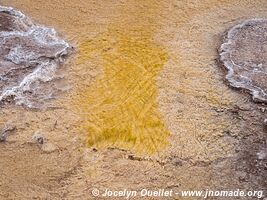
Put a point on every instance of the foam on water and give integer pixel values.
(244, 54)
(29, 58)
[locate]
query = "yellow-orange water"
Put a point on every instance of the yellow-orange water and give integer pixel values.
(121, 108)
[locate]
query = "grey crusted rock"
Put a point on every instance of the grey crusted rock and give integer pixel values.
(30, 55)
(38, 138)
(244, 54)
(4, 133)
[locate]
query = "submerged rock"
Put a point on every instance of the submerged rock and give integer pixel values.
(29, 57)
(38, 138)
(43, 143)
(4, 132)
(244, 54)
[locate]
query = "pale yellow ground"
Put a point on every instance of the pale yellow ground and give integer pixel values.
(144, 79)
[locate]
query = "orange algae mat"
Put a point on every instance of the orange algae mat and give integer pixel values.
(121, 108)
